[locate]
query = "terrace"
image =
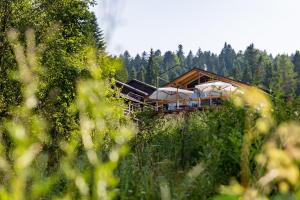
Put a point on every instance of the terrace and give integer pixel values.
(170, 99)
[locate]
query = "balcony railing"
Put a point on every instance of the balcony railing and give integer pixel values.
(192, 104)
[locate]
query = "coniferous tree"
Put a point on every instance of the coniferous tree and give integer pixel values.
(227, 57)
(189, 60)
(252, 66)
(211, 62)
(132, 74)
(158, 60)
(198, 60)
(122, 74)
(296, 62)
(153, 68)
(237, 72)
(144, 61)
(284, 78)
(136, 63)
(97, 33)
(251, 57)
(127, 60)
(171, 66)
(141, 74)
(181, 58)
(263, 70)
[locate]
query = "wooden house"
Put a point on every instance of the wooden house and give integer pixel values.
(189, 81)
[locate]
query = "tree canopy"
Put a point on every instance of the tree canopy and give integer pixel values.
(251, 66)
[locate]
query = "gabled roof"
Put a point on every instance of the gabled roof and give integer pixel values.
(146, 88)
(127, 88)
(195, 71)
(125, 96)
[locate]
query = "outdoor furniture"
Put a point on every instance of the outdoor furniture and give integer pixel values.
(216, 88)
(171, 94)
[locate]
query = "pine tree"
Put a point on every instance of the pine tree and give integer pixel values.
(237, 72)
(132, 74)
(252, 68)
(227, 57)
(181, 58)
(136, 63)
(170, 66)
(141, 74)
(296, 62)
(284, 79)
(198, 60)
(127, 60)
(153, 68)
(211, 62)
(189, 60)
(97, 33)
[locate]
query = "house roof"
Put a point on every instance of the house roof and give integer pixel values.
(149, 89)
(125, 96)
(127, 88)
(195, 72)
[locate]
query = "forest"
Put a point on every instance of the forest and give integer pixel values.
(276, 73)
(64, 134)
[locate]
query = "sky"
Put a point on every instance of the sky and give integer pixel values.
(139, 25)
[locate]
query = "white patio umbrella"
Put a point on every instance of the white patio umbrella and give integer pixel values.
(171, 94)
(216, 88)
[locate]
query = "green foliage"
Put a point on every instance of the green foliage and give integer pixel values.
(251, 66)
(141, 74)
(91, 152)
(296, 62)
(168, 148)
(285, 77)
(153, 69)
(122, 74)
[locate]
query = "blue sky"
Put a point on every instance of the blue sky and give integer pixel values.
(138, 25)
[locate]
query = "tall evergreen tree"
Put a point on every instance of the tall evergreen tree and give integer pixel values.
(132, 74)
(227, 57)
(198, 60)
(141, 74)
(137, 63)
(181, 58)
(170, 66)
(237, 72)
(127, 60)
(153, 68)
(211, 62)
(251, 67)
(284, 78)
(97, 33)
(144, 61)
(189, 60)
(296, 62)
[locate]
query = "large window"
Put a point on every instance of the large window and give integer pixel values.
(202, 79)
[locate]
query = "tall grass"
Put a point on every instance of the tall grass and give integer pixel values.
(169, 149)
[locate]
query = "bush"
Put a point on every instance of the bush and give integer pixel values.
(168, 147)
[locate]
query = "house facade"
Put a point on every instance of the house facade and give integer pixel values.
(192, 81)
(182, 93)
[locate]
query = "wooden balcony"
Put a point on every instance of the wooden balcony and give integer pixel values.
(189, 105)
